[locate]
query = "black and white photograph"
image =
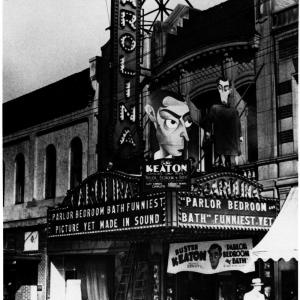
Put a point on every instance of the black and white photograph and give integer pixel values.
(150, 150)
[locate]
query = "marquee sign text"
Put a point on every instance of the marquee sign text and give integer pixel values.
(217, 212)
(102, 187)
(166, 174)
(226, 185)
(110, 216)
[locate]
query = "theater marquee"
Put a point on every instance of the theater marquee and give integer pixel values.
(109, 216)
(111, 201)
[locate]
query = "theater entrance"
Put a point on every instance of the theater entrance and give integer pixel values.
(220, 286)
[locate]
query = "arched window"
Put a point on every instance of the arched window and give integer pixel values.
(244, 101)
(50, 182)
(199, 147)
(76, 162)
(249, 118)
(20, 178)
(3, 182)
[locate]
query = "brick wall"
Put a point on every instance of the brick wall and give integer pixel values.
(26, 292)
(42, 277)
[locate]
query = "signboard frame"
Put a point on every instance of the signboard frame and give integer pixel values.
(217, 212)
(144, 212)
(214, 201)
(210, 257)
(177, 175)
(126, 39)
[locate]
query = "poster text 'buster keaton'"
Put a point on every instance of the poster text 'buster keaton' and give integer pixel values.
(211, 257)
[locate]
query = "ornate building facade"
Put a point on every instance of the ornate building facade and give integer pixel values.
(80, 209)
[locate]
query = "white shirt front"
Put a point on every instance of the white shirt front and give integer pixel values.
(254, 295)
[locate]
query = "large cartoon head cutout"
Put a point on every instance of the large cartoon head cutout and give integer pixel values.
(224, 88)
(170, 115)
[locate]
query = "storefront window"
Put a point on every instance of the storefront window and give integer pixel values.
(288, 276)
(221, 286)
(88, 276)
(289, 286)
(50, 183)
(76, 162)
(20, 178)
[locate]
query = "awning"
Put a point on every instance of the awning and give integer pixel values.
(281, 241)
(10, 256)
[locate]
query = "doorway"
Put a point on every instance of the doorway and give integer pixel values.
(221, 286)
(81, 277)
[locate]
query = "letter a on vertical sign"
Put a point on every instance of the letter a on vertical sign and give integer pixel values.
(126, 46)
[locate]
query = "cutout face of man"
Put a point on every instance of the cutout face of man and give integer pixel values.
(171, 120)
(215, 253)
(224, 90)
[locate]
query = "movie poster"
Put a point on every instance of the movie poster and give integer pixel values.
(211, 257)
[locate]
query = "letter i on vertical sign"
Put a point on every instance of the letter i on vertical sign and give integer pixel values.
(127, 90)
(125, 111)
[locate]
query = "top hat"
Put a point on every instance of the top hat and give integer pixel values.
(256, 281)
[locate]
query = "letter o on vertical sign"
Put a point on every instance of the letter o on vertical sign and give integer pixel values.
(127, 42)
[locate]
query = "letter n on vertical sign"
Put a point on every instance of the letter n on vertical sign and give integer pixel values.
(125, 38)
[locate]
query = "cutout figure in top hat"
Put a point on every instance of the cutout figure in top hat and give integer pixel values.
(223, 120)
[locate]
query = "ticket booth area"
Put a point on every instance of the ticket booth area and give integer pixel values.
(81, 277)
(211, 270)
(222, 286)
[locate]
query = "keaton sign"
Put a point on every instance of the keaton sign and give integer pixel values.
(211, 257)
(166, 174)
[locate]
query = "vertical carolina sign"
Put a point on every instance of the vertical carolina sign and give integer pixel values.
(126, 71)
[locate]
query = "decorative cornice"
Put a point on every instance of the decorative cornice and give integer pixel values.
(64, 121)
(175, 20)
